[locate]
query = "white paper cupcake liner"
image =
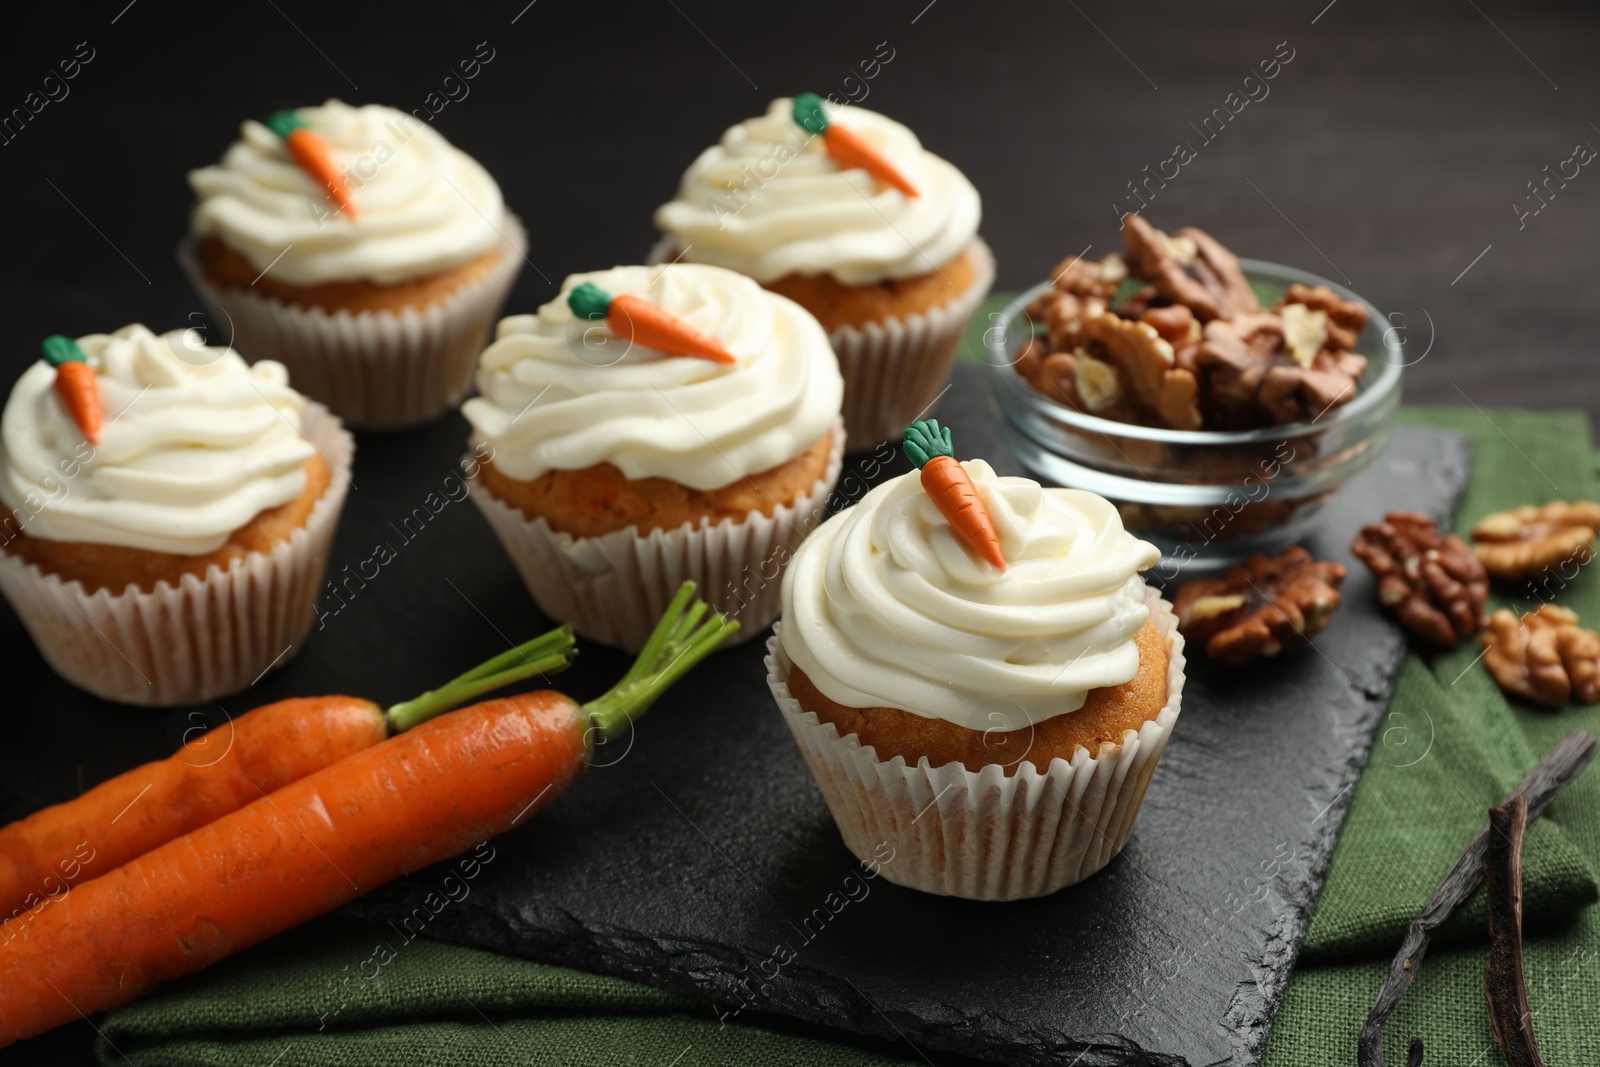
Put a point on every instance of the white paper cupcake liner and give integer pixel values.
(984, 835)
(377, 370)
(894, 370)
(204, 639)
(613, 588)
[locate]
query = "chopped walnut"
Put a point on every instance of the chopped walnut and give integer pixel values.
(1176, 325)
(1085, 277)
(1080, 288)
(1545, 656)
(1057, 378)
(1189, 267)
(1224, 363)
(1305, 394)
(1524, 542)
(1145, 364)
(1234, 359)
(1343, 319)
(1249, 378)
(1030, 354)
(1261, 607)
(1139, 302)
(1432, 582)
(1305, 331)
(1098, 388)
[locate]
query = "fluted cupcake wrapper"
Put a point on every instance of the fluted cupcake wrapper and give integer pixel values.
(614, 587)
(206, 637)
(377, 370)
(984, 835)
(895, 370)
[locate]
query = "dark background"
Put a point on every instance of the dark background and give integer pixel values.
(1388, 154)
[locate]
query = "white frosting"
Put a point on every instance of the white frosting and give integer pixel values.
(194, 443)
(560, 393)
(422, 206)
(885, 606)
(769, 201)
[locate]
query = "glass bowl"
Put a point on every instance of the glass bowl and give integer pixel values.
(1208, 499)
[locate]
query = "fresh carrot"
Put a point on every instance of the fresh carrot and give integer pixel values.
(75, 385)
(635, 319)
(847, 147)
(45, 854)
(319, 842)
(312, 155)
(950, 487)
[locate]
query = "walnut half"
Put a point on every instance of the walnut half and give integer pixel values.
(1545, 656)
(1190, 267)
(1261, 607)
(1526, 541)
(1432, 582)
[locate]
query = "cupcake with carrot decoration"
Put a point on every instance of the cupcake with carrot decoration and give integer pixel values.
(168, 512)
(360, 249)
(843, 211)
(650, 426)
(978, 676)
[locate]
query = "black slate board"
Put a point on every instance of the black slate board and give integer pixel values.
(702, 844)
(684, 862)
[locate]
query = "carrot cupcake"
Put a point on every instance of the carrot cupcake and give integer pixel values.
(654, 425)
(977, 676)
(357, 247)
(843, 211)
(168, 513)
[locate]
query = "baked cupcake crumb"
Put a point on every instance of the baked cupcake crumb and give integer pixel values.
(836, 304)
(1107, 715)
(116, 567)
(231, 270)
(600, 499)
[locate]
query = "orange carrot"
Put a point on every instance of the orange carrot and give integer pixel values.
(319, 842)
(947, 483)
(635, 319)
(47, 853)
(312, 155)
(847, 147)
(75, 385)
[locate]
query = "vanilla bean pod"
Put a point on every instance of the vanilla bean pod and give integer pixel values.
(1504, 989)
(1540, 786)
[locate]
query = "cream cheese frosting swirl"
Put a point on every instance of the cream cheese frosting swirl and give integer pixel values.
(768, 201)
(560, 393)
(885, 606)
(195, 443)
(423, 206)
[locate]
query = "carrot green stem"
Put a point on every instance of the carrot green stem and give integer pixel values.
(808, 113)
(679, 641)
(545, 655)
(283, 123)
(59, 349)
(926, 439)
(589, 301)
(561, 637)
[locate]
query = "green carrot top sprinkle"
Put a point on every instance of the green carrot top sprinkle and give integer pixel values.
(283, 123)
(925, 440)
(59, 349)
(808, 113)
(589, 301)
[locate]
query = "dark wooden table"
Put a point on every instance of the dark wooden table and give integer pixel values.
(1393, 150)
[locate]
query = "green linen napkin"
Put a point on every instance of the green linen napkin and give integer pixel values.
(1451, 745)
